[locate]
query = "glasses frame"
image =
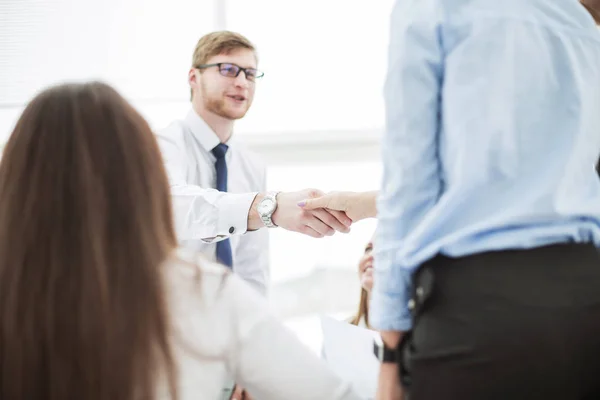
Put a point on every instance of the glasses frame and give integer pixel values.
(258, 74)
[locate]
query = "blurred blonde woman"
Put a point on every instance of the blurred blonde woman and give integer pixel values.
(365, 275)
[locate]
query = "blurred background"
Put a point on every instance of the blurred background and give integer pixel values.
(316, 119)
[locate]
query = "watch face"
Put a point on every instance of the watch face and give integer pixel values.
(266, 206)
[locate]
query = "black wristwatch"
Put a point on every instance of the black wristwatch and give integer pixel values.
(384, 354)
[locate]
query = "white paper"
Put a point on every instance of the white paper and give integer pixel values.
(348, 349)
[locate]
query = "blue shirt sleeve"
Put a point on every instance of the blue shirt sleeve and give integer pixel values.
(411, 178)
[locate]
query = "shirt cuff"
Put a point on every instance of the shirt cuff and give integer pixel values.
(389, 298)
(233, 213)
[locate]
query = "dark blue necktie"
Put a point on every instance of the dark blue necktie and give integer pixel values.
(224, 246)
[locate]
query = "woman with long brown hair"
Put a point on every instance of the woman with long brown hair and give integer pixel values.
(96, 303)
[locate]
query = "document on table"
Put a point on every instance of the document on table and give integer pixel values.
(348, 349)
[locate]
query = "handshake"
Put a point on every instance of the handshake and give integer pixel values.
(318, 214)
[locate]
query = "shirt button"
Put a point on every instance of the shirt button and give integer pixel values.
(420, 292)
(411, 304)
(231, 230)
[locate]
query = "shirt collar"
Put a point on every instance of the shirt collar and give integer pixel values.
(206, 136)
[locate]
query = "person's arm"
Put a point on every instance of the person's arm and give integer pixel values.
(252, 251)
(268, 360)
(315, 223)
(356, 205)
(411, 179)
(210, 215)
(200, 213)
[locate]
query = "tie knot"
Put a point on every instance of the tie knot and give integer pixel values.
(220, 150)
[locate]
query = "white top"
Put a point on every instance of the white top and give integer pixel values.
(204, 215)
(224, 328)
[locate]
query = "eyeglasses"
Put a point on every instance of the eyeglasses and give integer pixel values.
(232, 70)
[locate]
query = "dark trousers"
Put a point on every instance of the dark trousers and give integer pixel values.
(508, 325)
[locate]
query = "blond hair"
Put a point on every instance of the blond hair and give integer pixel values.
(220, 42)
(363, 310)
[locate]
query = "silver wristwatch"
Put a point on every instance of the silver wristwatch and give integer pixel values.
(266, 208)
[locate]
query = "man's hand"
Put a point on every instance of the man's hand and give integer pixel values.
(316, 223)
(356, 205)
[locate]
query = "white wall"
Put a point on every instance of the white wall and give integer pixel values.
(142, 47)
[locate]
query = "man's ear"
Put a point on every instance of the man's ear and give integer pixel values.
(192, 76)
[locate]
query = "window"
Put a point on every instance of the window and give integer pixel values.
(142, 47)
(8, 119)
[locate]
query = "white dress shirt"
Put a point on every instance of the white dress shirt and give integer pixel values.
(223, 329)
(204, 215)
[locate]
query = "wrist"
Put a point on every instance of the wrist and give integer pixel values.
(276, 213)
(370, 204)
(391, 338)
(390, 368)
(254, 220)
(363, 205)
(389, 381)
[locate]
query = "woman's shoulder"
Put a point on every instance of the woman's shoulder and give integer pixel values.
(190, 264)
(198, 306)
(192, 273)
(205, 293)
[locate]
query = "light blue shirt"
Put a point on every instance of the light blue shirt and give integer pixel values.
(492, 135)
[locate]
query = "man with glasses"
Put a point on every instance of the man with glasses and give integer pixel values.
(218, 186)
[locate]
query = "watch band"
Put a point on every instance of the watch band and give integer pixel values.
(384, 354)
(267, 218)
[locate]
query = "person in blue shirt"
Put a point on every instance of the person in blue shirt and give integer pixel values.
(487, 273)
